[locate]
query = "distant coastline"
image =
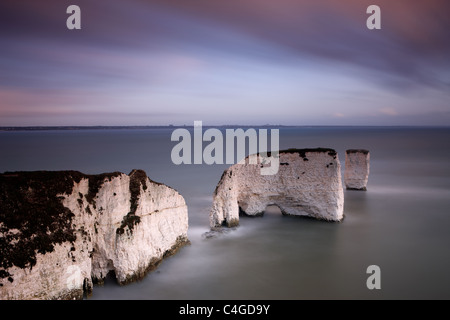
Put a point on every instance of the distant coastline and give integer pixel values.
(59, 128)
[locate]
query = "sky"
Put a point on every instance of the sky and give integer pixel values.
(248, 62)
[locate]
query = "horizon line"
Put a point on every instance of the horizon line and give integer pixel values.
(100, 127)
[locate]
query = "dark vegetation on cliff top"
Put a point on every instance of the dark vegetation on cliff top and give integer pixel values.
(364, 151)
(137, 178)
(32, 216)
(302, 152)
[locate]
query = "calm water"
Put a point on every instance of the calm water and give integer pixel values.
(402, 223)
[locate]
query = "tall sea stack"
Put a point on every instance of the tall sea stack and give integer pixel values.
(357, 166)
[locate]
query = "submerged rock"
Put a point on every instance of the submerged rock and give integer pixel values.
(216, 232)
(357, 166)
(308, 183)
(61, 231)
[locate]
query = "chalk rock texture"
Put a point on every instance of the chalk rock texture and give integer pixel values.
(61, 231)
(308, 183)
(357, 166)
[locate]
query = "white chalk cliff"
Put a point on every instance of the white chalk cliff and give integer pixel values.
(308, 183)
(357, 167)
(62, 231)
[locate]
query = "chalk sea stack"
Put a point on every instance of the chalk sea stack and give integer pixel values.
(357, 167)
(308, 183)
(62, 231)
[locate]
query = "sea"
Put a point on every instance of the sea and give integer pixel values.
(400, 224)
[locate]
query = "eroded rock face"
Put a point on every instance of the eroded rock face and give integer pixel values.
(60, 231)
(357, 166)
(308, 183)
